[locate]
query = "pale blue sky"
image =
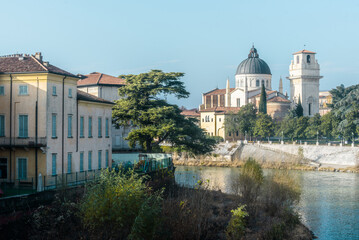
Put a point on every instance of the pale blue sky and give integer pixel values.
(204, 39)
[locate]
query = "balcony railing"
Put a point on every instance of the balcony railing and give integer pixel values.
(22, 142)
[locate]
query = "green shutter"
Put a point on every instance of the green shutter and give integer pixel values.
(81, 161)
(2, 126)
(90, 161)
(99, 159)
(69, 162)
(54, 164)
(81, 126)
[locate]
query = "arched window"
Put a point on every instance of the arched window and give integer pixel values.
(266, 83)
(262, 82)
(297, 59)
(257, 83)
(308, 58)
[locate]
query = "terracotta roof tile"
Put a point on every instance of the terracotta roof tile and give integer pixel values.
(190, 113)
(221, 109)
(218, 92)
(19, 63)
(304, 51)
(81, 95)
(278, 99)
(267, 92)
(97, 78)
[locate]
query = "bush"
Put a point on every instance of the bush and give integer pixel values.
(249, 181)
(280, 192)
(237, 225)
(115, 205)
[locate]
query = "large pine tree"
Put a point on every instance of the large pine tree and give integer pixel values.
(263, 101)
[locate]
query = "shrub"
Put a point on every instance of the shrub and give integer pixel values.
(249, 181)
(237, 224)
(280, 191)
(116, 203)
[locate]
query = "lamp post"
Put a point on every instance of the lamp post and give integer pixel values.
(317, 137)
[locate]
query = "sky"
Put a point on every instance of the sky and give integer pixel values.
(206, 40)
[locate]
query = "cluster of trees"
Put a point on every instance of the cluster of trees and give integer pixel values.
(341, 123)
(156, 121)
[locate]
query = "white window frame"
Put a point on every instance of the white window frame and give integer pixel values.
(22, 93)
(54, 93)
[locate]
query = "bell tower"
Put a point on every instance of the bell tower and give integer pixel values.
(304, 81)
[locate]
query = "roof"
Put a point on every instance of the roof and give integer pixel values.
(278, 99)
(218, 91)
(97, 78)
(25, 63)
(81, 95)
(190, 113)
(221, 109)
(267, 92)
(304, 51)
(253, 64)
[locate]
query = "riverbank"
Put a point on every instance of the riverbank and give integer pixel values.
(267, 165)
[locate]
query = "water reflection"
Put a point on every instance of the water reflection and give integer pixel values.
(329, 203)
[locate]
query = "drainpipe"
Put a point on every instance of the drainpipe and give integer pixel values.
(36, 133)
(63, 129)
(10, 125)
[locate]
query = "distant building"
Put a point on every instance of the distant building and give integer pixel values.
(106, 86)
(191, 113)
(325, 98)
(47, 126)
(304, 76)
(251, 74)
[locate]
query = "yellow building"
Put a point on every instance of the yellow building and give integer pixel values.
(325, 98)
(47, 127)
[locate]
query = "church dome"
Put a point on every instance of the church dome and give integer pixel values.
(253, 64)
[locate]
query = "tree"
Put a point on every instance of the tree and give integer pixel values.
(313, 126)
(264, 126)
(327, 125)
(231, 124)
(288, 127)
(156, 120)
(263, 101)
(301, 126)
(247, 116)
(299, 109)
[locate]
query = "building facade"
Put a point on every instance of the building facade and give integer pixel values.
(304, 76)
(47, 122)
(106, 87)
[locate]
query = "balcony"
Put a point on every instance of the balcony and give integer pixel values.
(23, 142)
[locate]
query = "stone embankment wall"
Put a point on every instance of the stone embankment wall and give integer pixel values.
(234, 154)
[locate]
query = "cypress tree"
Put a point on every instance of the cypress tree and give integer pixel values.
(299, 109)
(263, 101)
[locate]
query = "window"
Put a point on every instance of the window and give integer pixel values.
(266, 83)
(2, 90)
(70, 92)
(308, 58)
(99, 127)
(54, 91)
(107, 128)
(23, 126)
(229, 134)
(309, 108)
(23, 90)
(69, 126)
(99, 159)
(81, 127)
(54, 126)
(257, 83)
(69, 162)
(2, 126)
(106, 158)
(90, 160)
(263, 82)
(22, 168)
(297, 59)
(90, 127)
(202, 119)
(238, 102)
(219, 119)
(211, 119)
(54, 155)
(81, 161)
(237, 133)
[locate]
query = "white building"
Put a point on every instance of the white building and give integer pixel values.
(304, 79)
(106, 87)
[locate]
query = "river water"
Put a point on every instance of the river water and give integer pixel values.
(329, 203)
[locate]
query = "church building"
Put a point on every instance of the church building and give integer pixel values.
(251, 74)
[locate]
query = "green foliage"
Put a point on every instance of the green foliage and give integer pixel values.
(250, 179)
(237, 225)
(264, 126)
(263, 101)
(154, 119)
(231, 123)
(299, 109)
(313, 126)
(288, 127)
(115, 205)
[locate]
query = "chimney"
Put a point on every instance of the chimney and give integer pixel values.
(38, 56)
(46, 64)
(21, 57)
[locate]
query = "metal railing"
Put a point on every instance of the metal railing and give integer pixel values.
(23, 142)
